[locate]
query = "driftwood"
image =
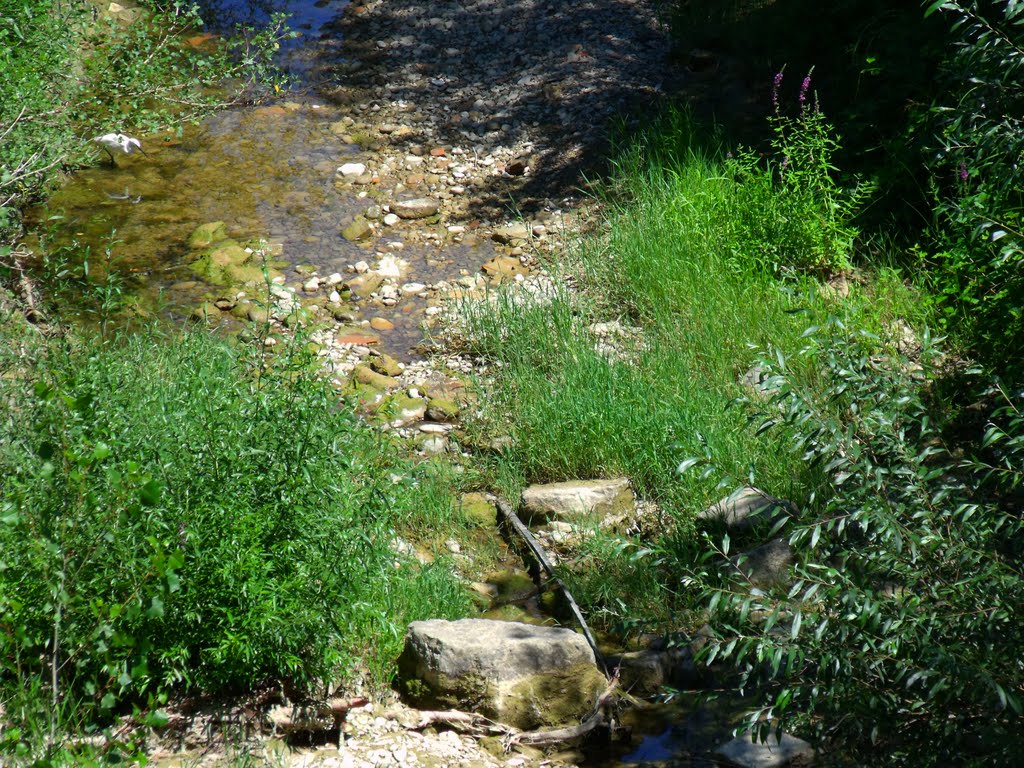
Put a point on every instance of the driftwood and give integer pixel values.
(460, 721)
(469, 722)
(517, 525)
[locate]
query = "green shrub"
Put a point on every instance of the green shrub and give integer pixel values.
(899, 635)
(978, 179)
(796, 215)
(176, 516)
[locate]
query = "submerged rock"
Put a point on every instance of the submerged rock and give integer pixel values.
(523, 675)
(744, 752)
(208, 234)
(359, 229)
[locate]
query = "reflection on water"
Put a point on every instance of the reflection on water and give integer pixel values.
(681, 734)
(306, 17)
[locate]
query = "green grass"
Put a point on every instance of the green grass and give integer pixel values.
(182, 514)
(680, 266)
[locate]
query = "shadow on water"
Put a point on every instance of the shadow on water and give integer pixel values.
(307, 18)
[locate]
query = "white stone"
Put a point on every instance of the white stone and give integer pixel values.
(391, 219)
(352, 169)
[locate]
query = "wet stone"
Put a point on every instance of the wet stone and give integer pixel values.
(418, 208)
(359, 229)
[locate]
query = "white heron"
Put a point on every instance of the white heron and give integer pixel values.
(118, 141)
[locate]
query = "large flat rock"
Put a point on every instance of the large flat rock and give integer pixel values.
(577, 499)
(523, 675)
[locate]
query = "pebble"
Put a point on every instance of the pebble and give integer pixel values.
(391, 219)
(435, 429)
(352, 169)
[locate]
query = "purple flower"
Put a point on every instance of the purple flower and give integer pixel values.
(776, 84)
(963, 170)
(805, 86)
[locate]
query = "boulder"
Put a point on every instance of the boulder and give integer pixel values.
(767, 564)
(523, 675)
(745, 752)
(746, 508)
(576, 499)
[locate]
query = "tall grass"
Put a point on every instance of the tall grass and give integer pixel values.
(684, 271)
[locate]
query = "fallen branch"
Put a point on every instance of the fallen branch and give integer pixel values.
(462, 721)
(517, 525)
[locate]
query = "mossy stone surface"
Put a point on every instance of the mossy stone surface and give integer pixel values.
(207, 234)
(477, 508)
(386, 365)
(443, 410)
(363, 374)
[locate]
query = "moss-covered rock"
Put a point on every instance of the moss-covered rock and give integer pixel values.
(363, 374)
(443, 410)
(525, 676)
(207, 234)
(297, 318)
(477, 508)
(386, 365)
(359, 229)
(400, 410)
(207, 312)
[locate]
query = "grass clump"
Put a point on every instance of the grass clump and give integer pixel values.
(176, 516)
(636, 372)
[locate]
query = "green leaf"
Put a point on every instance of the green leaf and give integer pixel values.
(150, 493)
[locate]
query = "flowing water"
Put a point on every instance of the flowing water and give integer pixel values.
(267, 172)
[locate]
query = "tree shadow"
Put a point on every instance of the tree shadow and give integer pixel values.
(545, 77)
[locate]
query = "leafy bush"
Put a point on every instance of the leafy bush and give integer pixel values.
(978, 177)
(900, 631)
(173, 515)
